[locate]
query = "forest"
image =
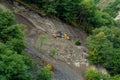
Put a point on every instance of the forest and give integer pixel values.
(112, 8)
(15, 63)
(83, 13)
(103, 39)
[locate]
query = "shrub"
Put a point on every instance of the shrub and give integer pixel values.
(78, 42)
(93, 74)
(104, 48)
(117, 77)
(44, 74)
(53, 52)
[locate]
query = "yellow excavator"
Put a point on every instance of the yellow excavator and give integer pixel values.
(61, 35)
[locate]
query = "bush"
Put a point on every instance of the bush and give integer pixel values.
(76, 13)
(117, 23)
(78, 42)
(104, 48)
(112, 8)
(14, 63)
(96, 1)
(117, 77)
(93, 74)
(53, 52)
(44, 74)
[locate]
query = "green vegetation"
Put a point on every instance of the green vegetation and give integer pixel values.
(44, 74)
(53, 52)
(104, 48)
(94, 74)
(113, 8)
(103, 43)
(117, 77)
(12, 65)
(103, 3)
(42, 40)
(118, 23)
(78, 42)
(97, 1)
(15, 64)
(78, 13)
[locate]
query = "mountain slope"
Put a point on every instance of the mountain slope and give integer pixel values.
(104, 3)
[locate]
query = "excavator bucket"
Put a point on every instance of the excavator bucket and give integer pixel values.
(54, 35)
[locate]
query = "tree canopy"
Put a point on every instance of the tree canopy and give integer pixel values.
(80, 12)
(104, 48)
(113, 8)
(14, 63)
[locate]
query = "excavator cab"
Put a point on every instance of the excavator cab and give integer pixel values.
(57, 34)
(60, 35)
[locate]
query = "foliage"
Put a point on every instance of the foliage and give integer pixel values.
(44, 74)
(14, 63)
(6, 19)
(16, 45)
(53, 52)
(78, 42)
(118, 23)
(112, 63)
(104, 48)
(113, 8)
(9, 32)
(96, 1)
(93, 74)
(116, 77)
(80, 12)
(42, 39)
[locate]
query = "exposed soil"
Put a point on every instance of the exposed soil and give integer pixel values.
(70, 60)
(66, 49)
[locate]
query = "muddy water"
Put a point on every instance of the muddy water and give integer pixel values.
(63, 71)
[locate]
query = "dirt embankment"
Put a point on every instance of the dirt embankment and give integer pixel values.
(39, 38)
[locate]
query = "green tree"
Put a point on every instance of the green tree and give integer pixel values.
(42, 40)
(113, 8)
(16, 45)
(13, 31)
(12, 65)
(6, 19)
(94, 74)
(96, 1)
(78, 12)
(116, 77)
(104, 45)
(99, 46)
(44, 74)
